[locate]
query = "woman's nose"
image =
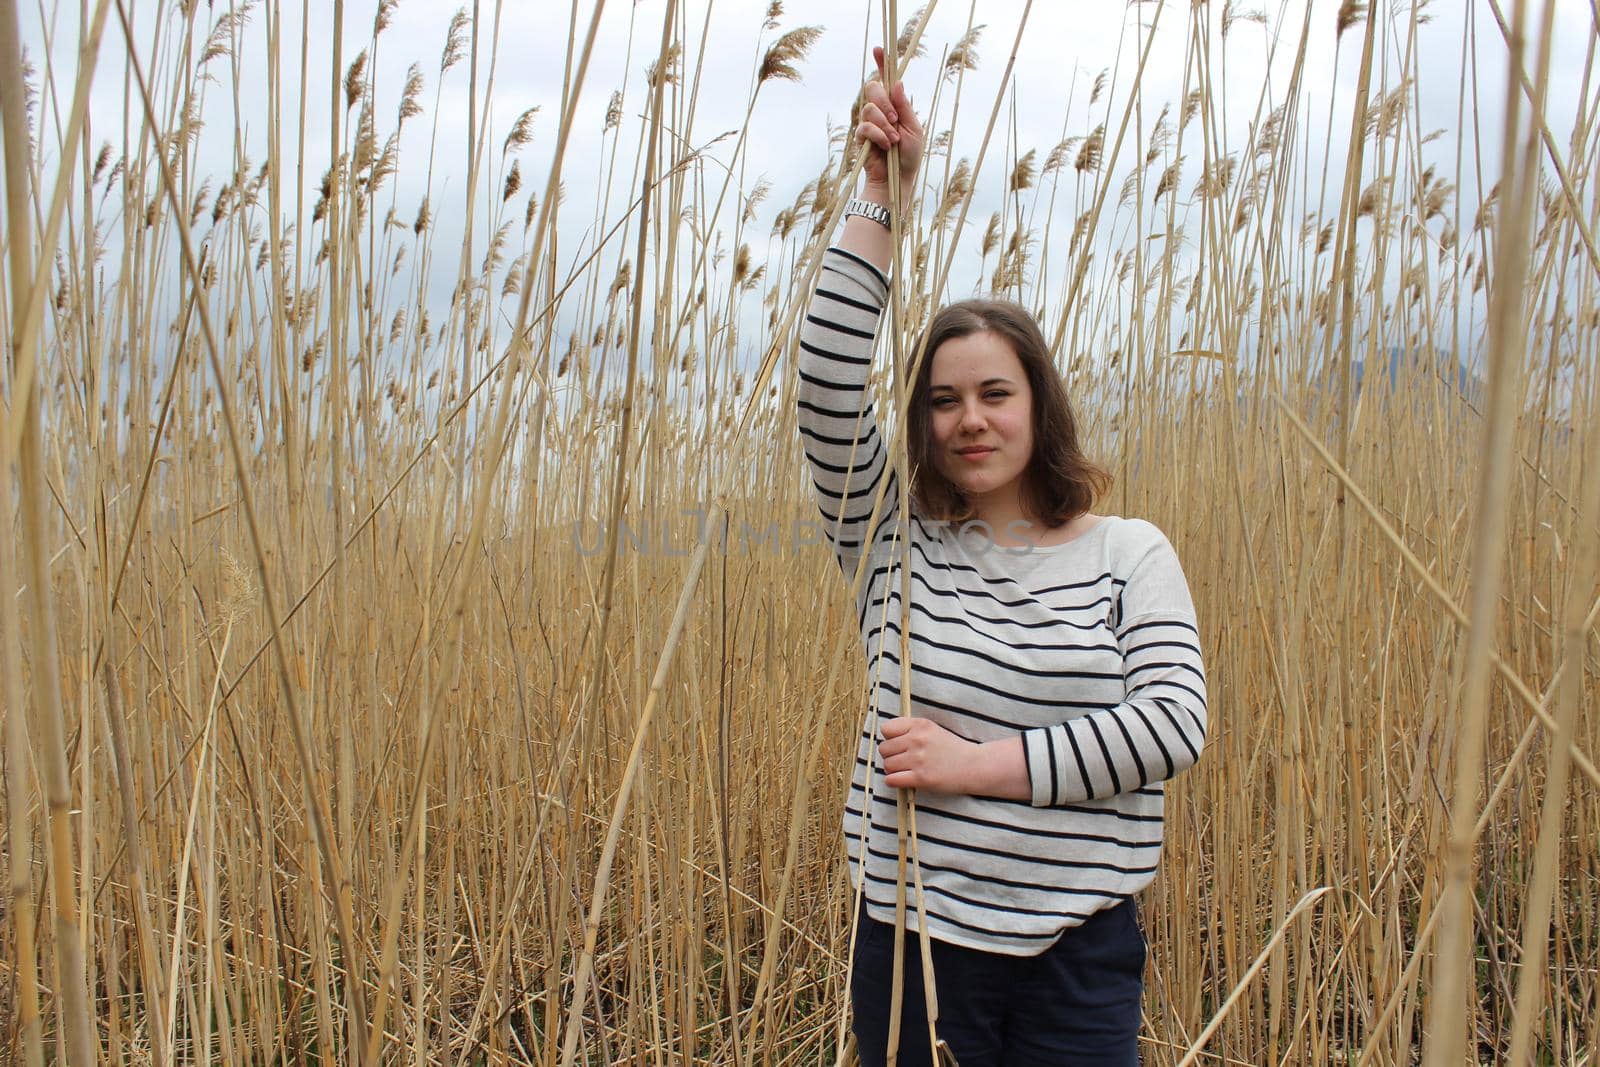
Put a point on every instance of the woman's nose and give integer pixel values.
(971, 418)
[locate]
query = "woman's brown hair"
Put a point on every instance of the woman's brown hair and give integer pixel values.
(1060, 482)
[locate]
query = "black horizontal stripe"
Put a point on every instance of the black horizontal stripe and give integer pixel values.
(862, 465)
(982, 905)
(1083, 768)
(861, 305)
(1138, 760)
(958, 650)
(992, 906)
(848, 388)
(864, 415)
(929, 613)
(1159, 682)
(1019, 645)
(846, 493)
(835, 442)
(951, 565)
(1183, 735)
(836, 357)
(983, 687)
(1110, 764)
(1169, 666)
(957, 594)
(1149, 624)
(936, 916)
(1185, 645)
(924, 807)
(988, 594)
(877, 275)
(1116, 582)
(1155, 735)
(836, 522)
(978, 850)
(839, 327)
(929, 702)
(939, 532)
(1077, 809)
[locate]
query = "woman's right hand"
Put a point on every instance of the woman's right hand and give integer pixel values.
(887, 121)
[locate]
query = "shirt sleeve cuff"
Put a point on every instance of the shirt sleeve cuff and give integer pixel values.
(1043, 773)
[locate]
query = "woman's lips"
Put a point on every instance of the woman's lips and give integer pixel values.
(975, 454)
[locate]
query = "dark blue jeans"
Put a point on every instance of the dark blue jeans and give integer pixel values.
(1075, 1003)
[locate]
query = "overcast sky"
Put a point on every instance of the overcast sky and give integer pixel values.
(1066, 46)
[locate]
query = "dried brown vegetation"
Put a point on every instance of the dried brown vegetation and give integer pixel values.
(372, 693)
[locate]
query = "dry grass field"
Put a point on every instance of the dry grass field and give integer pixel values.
(340, 728)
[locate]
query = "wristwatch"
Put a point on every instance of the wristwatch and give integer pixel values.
(867, 209)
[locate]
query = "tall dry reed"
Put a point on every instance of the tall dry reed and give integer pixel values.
(414, 645)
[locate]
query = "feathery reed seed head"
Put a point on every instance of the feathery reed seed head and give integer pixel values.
(902, 44)
(1089, 155)
(1022, 173)
(963, 55)
(787, 51)
(1350, 13)
(455, 41)
(353, 83)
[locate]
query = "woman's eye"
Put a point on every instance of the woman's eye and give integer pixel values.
(997, 394)
(939, 401)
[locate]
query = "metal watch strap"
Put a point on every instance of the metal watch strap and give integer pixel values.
(867, 209)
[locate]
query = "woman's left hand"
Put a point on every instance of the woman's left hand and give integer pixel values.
(887, 120)
(921, 754)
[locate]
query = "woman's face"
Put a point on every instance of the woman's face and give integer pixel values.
(982, 416)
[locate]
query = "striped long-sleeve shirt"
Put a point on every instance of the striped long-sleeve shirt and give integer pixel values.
(1087, 649)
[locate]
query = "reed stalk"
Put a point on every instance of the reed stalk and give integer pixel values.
(76, 1034)
(1450, 1020)
(460, 785)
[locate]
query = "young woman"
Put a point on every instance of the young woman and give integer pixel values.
(1056, 671)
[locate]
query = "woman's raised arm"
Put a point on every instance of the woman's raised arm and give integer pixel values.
(886, 121)
(847, 456)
